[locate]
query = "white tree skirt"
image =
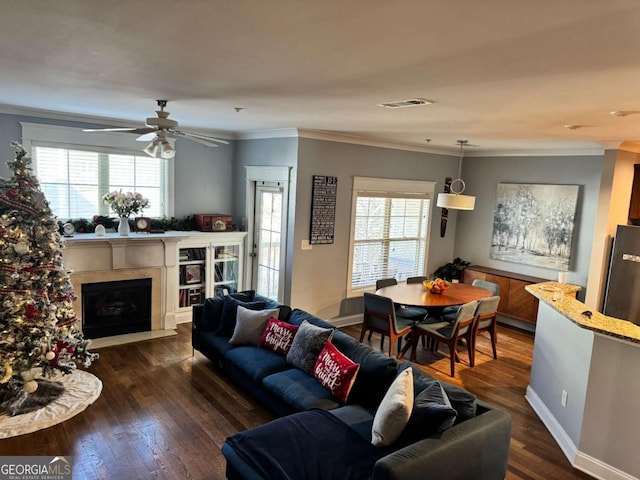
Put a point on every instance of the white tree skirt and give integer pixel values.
(81, 389)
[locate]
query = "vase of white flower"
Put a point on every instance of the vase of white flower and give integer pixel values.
(125, 204)
(123, 227)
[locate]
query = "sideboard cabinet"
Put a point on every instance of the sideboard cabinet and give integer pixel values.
(515, 301)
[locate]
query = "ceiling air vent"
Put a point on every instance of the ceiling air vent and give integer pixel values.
(412, 102)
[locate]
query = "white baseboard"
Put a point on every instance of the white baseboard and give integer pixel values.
(586, 463)
(129, 338)
(598, 469)
(557, 432)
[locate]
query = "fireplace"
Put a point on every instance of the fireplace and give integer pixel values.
(116, 307)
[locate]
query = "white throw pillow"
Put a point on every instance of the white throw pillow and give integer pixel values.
(250, 324)
(394, 410)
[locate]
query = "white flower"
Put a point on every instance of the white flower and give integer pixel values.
(124, 204)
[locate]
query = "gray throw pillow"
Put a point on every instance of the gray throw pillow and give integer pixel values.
(250, 324)
(394, 411)
(307, 345)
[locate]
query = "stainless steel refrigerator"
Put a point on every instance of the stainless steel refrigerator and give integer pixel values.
(622, 298)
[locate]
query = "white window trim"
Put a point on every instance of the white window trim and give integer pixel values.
(385, 185)
(111, 141)
(270, 174)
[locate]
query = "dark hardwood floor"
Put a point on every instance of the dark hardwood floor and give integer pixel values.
(164, 414)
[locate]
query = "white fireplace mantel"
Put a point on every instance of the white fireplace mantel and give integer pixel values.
(92, 258)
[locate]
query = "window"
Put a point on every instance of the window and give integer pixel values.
(74, 181)
(75, 176)
(390, 230)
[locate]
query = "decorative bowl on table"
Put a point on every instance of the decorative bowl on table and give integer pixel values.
(436, 285)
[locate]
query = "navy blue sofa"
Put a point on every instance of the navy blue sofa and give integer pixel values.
(475, 447)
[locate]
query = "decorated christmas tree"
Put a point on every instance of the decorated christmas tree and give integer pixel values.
(38, 336)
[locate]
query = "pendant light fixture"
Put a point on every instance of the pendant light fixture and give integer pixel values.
(456, 200)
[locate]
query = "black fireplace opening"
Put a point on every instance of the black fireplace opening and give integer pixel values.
(116, 308)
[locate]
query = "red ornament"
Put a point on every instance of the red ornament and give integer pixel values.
(12, 193)
(31, 311)
(60, 345)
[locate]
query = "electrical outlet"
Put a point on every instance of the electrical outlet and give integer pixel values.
(563, 400)
(306, 245)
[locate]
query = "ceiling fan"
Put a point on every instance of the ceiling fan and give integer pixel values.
(157, 130)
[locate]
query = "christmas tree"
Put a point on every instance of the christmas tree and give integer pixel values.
(38, 336)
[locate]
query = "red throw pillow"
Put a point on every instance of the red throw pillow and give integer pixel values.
(335, 371)
(278, 336)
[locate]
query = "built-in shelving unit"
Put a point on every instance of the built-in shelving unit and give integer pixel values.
(209, 264)
(192, 271)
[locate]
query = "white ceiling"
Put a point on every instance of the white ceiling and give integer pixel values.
(505, 74)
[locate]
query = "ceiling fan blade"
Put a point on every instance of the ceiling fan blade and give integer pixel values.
(140, 130)
(147, 137)
(198, 140)
(198, 136)
(123, 129)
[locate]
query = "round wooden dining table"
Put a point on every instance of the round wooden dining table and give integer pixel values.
(416, 295)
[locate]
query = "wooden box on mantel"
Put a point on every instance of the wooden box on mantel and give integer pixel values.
(213, 222)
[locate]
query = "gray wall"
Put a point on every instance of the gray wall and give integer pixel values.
(202, 177)
(202, 174)
(275, 152)
(562, 355)
(319, 276)
(482, 174)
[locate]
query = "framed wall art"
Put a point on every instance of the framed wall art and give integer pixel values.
(323, 209)
(533, 224)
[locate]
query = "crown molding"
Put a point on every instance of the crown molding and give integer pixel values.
(263, 134)
(594, 149)
(372, 142)
(581, 151)
(69, 117)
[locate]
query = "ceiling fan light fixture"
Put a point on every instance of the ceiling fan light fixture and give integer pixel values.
(153, 148)
(456, 200)
(167, 150)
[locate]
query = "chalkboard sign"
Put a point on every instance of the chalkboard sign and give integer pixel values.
(323, 209)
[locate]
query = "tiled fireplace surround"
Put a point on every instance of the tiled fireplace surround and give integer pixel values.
(94, 259)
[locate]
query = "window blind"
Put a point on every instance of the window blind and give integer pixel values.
(74, 180)
(390, 236)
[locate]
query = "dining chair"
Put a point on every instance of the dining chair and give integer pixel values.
(449, 333)
(449, 313)
(385, 282)
(494, 288)
(486, 321)
(380, 316)
(415, 313)
(419, 279)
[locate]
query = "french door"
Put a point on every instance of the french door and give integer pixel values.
(268, 240)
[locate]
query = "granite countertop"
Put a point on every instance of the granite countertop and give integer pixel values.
(572, 309)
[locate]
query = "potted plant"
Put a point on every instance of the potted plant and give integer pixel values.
(452, 270)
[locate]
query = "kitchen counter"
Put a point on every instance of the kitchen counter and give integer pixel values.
(583, 384)
(572, 309)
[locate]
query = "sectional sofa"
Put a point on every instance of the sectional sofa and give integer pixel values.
(338, 444)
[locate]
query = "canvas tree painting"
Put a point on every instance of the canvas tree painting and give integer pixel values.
(533, 224)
